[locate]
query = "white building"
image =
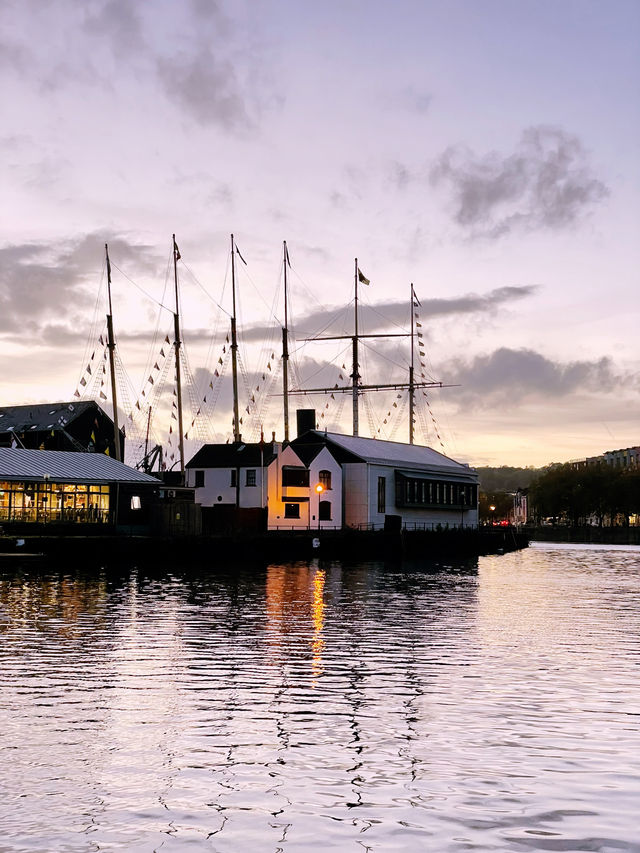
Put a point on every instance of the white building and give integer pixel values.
(305, 488)
(231, 474)
(416, 485)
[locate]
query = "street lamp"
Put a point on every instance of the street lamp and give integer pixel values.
(319, 491)
(493, 509)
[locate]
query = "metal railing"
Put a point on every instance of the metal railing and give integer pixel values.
(39, 515)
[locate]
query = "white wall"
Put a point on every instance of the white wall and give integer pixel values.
(217, 484)
(356, 494)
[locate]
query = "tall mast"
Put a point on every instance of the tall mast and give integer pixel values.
(234, 347)
(111, 344)
(412, 387)
(355, 376)
(285, 347)
(177, 343)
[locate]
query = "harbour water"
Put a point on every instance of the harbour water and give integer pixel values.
(492, 705)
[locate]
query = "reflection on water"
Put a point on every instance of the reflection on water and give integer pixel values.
(324, 706)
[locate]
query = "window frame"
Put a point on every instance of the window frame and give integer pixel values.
(289, 511)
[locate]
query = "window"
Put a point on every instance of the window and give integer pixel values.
(199, 479)
(136, 503)
(234, 480)
(325, 480)
(382, 494)
(415, 491)
(295, 476)
(324, 511)
(292, 510)
(251, 477)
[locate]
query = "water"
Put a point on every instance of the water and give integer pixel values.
(489, 706)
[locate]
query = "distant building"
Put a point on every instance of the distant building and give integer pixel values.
(80, 426)
(520, 506)
(627, 458)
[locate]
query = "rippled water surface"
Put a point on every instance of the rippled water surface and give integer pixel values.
(486, 706)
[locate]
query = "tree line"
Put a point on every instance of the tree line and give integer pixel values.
(597, 493)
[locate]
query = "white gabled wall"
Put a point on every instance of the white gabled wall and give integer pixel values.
(279, 496)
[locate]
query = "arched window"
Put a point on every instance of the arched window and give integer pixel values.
(324, 511)
(325, 480)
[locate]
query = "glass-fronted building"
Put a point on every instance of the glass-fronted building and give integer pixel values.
(53, 487)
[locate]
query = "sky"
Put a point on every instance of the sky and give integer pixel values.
(485, 152)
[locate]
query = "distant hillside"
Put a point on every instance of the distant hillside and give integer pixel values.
(506, 479)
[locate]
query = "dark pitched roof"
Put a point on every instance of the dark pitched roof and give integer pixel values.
(43, 416)
(242, 455)
(308, 446)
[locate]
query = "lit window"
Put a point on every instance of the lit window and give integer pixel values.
(136, 503)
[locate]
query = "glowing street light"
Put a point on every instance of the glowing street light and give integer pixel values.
(319, 491)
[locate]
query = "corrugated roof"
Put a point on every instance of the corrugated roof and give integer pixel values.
(42, 416)
(67, 467)
(396, 453)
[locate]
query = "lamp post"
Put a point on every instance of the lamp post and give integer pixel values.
(319, 491)
(492, 508)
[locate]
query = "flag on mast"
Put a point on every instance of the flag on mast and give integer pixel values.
(240, 256)
(362, 277)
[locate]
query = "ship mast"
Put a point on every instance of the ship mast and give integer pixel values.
(111, 345)
(355, 375)
(412, 387)
(177, 344)
(357, 388)
(234, 348)
(285, 347)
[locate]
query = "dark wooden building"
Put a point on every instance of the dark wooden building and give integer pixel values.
(80, 426)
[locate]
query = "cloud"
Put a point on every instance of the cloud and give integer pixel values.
(545, 184)
(206, 87)
(399, 175)
(43, 286)
(508, 376)
(386, 315)
(14, 57)
(118, 22)
(193, 55)
(408, 99)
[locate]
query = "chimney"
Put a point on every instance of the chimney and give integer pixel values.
(306, 419)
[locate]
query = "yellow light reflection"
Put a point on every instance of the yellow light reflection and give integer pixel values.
(317, 643)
